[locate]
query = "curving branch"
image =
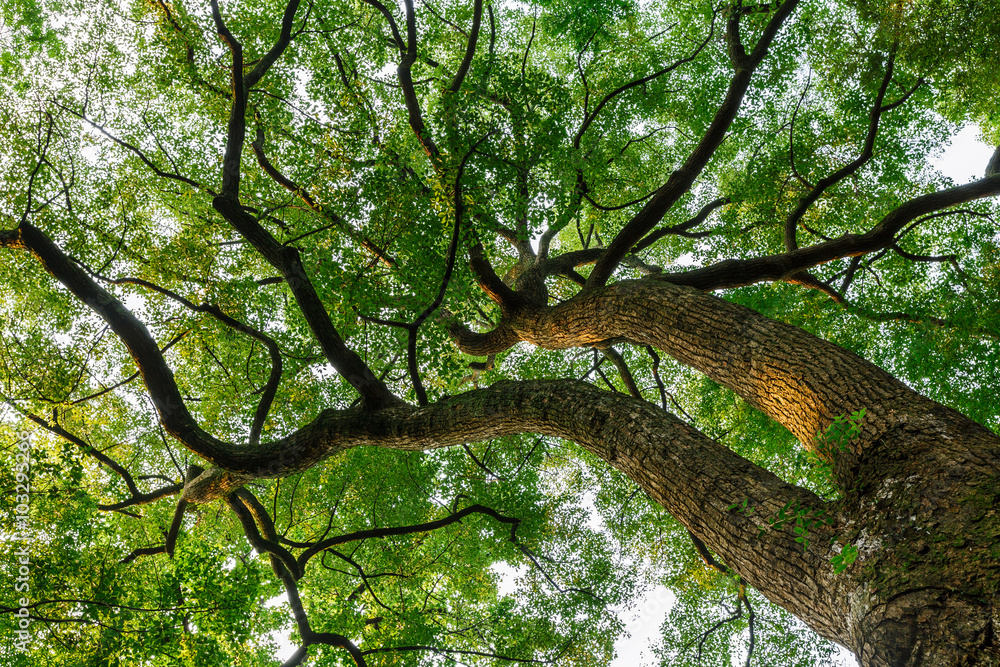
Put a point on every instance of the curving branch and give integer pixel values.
(793, 219)
(158, 377)
(274, 379)
(373, 390)
(135, 150)
(455, 517)
(590, 117)
(249, 511)
(335, 220)
(492, 284)
(742, 602)
(288, 262)
(738, 272)
(447, 652)
(274, 53)
(137, 497)
(405, 77)
(683, 178)
(684, 228)
(706, 555)
(477, 344)
(170, 541)
(188, 48)
(608, 425)
(391, 20)
(411, 345)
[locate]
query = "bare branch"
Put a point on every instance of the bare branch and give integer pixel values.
(792, 221)
(682, 229)
(589, 118)
(336, 220)
(135, 150)
(682, 179)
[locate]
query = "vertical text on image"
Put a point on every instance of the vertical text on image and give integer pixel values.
(22, 538)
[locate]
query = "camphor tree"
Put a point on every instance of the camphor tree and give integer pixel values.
(348, 304)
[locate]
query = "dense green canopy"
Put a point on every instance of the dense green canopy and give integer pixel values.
(389, 145)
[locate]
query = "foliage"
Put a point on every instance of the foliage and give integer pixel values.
(115, 126)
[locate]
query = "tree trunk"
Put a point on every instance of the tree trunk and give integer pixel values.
(921, 480)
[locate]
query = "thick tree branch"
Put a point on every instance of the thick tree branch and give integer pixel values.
(274, 378)
(491, 283)
(288, 262)
(470, 51)
(384, 11)
(405, 77)
(483, 344)
(634, 436)
(158, 377)
(240, 502)
(236, 132)
(734, 346)
(284, 39)
(737, 273)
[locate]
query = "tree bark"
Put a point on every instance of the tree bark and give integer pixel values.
(921, 480)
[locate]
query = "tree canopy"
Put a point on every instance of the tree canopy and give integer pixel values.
(317, 316)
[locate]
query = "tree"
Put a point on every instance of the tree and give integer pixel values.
(239, 320)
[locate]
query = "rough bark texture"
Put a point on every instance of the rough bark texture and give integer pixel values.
(921, 481)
